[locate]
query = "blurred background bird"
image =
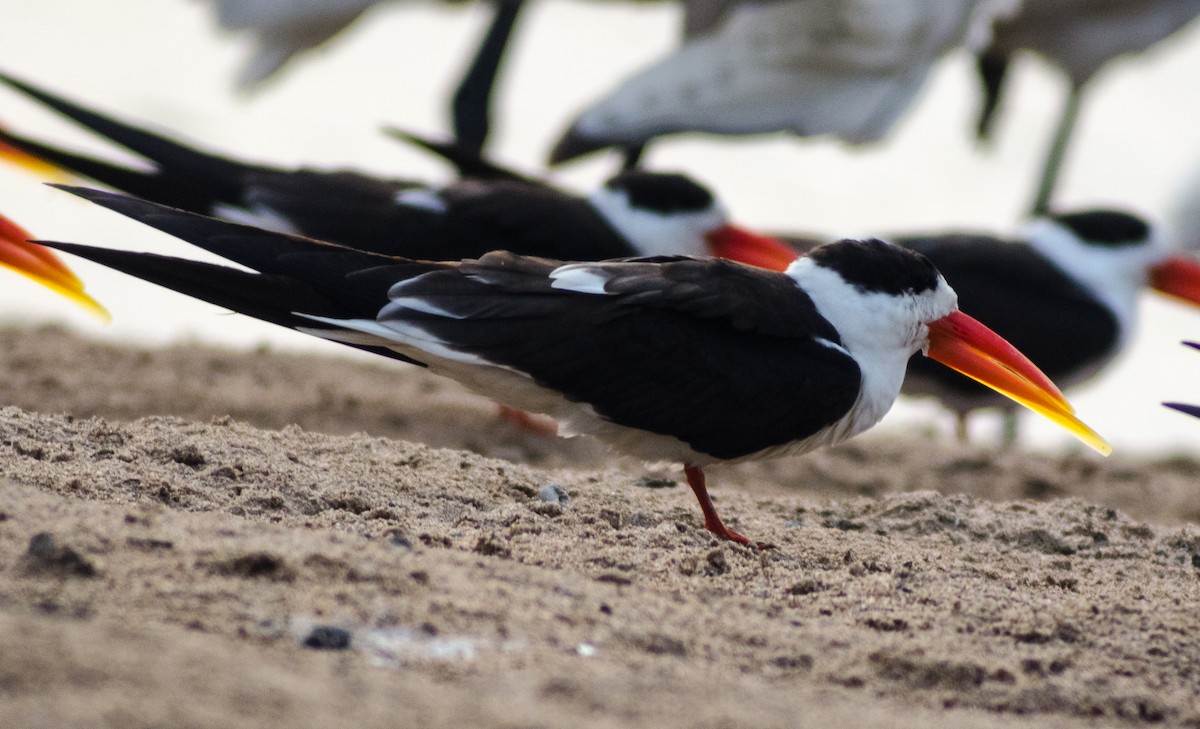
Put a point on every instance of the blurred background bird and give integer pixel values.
(845, 68)
(1079, 38)
(636, 212)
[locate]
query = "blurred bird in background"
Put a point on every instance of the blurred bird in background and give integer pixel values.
(634, 213)
(846, 68)
(1080, 38)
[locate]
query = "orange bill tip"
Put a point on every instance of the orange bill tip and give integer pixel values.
(754, 249)
(965, 345)
(39, 167)
(40, 264)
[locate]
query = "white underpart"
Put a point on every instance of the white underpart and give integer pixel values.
(1114, 275)
(844, 67)
(579, 277)
(654, 233)
(422, 198)
(880, 331)
(506, 385)
(258, 216)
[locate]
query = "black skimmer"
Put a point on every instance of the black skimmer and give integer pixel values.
(1193, 410)
(848, 68)
(634, 213)
(1066, 294)
(697, 361)
(40, 264)
(1080, 37)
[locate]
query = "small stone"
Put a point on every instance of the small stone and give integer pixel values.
(553, 493)
(650, 482)
(328, 638)
(45, 556)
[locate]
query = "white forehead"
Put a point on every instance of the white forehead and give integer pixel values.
(653, 233)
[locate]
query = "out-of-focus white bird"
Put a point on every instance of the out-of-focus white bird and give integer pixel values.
(1185, 214)
(849, 68)
(1080, 37)
(284, 28)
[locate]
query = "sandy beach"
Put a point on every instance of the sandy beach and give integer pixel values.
(192, 537)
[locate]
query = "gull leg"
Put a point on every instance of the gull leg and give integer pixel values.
(1058, 150)
(960, 427)
(1009, 434)
(471, 105)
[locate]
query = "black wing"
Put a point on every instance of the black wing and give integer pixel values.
(727, 358)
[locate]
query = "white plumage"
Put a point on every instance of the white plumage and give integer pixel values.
(849, 68)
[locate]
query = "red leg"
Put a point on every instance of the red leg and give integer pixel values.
(712, 522)
(543, 425)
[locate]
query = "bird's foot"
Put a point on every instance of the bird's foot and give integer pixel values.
(725, 532)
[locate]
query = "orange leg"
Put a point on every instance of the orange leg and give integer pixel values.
(712, 522)
(540, 424)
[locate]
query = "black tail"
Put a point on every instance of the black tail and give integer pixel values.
(468, 162)
(356, 282)
(186, 177)
(271, 298)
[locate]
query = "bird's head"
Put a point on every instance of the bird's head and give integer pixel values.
(663, 213)
(1115, 254)
(888, 302)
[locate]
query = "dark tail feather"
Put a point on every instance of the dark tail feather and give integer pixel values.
(149, 185)
(466, 161)
(269, 298)
(356, 282)
(252, 247)
(202, 167)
